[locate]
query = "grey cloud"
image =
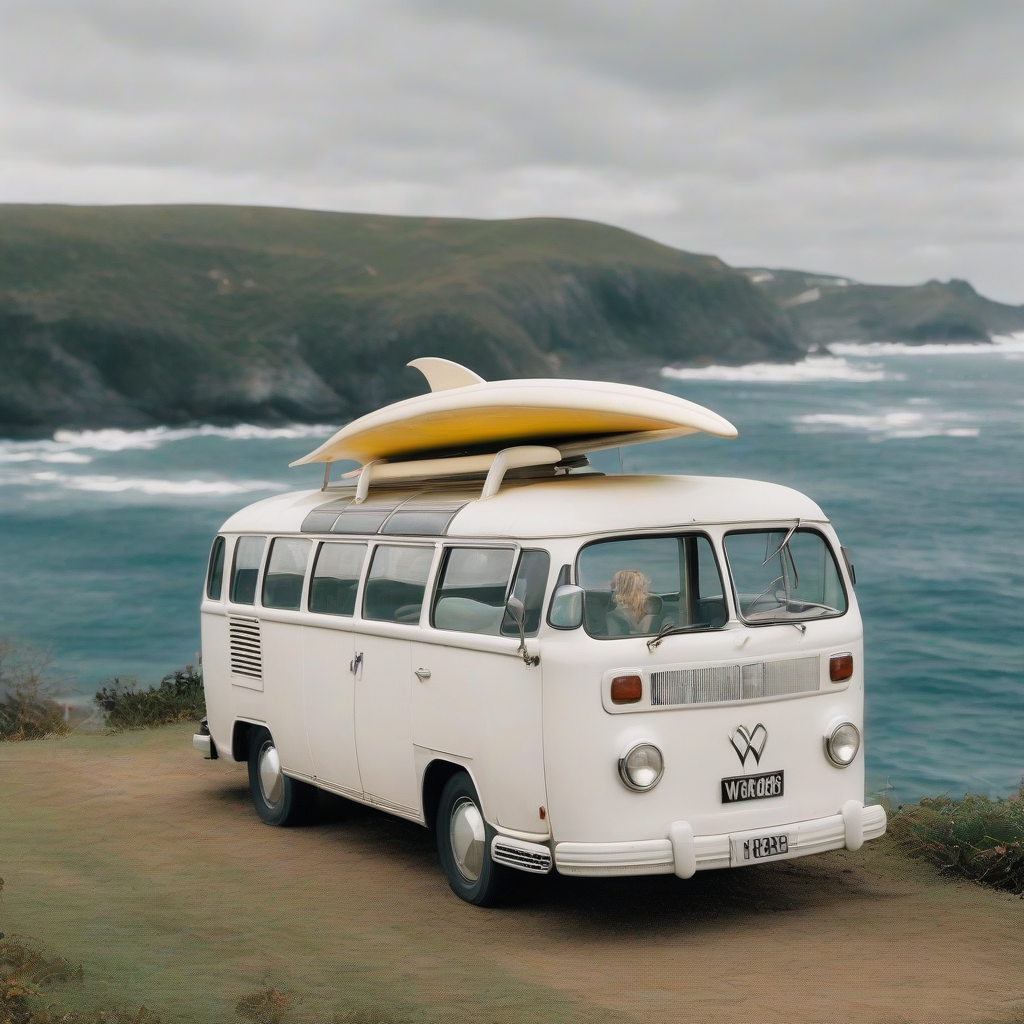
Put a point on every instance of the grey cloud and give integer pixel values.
(879, 140)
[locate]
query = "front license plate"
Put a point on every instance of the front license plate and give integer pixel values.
(748, 849)
(752, 787)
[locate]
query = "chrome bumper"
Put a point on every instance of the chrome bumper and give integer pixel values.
(683, 853)
(205, 746)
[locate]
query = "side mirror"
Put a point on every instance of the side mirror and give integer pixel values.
(566, 607)
(517, 610)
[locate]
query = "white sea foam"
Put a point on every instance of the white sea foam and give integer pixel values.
(152, 486)
(813, 369)
(1008, 345)
(30, 455)
(114, 440)
(892, 425)
(72, 446)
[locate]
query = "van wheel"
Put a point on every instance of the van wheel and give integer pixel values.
(278, 799)
(464, 845)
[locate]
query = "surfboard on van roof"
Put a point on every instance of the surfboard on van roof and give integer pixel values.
(465, 415)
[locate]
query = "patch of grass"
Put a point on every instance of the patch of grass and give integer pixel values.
(178, 698)
(28, 707)
(266, 1007)
(25, 964)
(974, 838)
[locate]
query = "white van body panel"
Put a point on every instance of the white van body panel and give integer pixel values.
(329, 706)
(542, 742)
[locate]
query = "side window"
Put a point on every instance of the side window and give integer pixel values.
(286, 572)
(396, 583)
(530, 583)
(472, 589)
(215, 571)
(336, 578)
(637, 586)
(248, 555)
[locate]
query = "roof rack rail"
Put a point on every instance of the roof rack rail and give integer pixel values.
(493, 467)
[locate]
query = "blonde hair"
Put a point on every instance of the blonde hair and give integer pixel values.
(631, 589)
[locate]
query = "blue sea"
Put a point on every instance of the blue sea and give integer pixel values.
(916, 454)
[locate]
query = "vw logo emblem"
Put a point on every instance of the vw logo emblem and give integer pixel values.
(749, 741)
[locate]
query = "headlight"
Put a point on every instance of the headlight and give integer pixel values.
(842, 744)
(641, 766)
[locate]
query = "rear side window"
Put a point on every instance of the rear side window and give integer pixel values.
(396, 583)
(473, 589)
(248, 555)
(640, 585)
(286, 572)
(530, 583)
(336, 578)
(784, 575)
(215, 571)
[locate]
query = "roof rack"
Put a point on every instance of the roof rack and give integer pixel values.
(493, 467)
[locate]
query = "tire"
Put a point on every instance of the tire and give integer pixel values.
(278, 799)
(464, 845)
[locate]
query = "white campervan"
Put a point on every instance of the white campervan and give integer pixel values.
(551, 668)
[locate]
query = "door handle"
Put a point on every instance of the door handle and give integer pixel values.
(422, 674)
(356, 663)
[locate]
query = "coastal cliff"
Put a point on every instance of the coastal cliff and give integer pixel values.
(135, 315)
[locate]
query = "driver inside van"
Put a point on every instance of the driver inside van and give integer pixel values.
(634, 609)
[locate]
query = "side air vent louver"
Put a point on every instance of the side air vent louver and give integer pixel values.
(725, 683)
(246, 647)
(519, 854)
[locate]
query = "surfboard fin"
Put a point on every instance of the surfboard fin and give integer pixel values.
(443, 374)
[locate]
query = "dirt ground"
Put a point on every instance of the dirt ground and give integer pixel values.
(134, 856)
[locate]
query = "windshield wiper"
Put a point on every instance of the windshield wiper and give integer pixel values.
(670, 628)
(784, 544)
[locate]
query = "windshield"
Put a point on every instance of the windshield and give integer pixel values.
(784, 575)
(639, 586)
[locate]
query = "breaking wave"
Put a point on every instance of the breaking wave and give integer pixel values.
(114, 440)
(813, 369)
(1000, 345)
(152, 486)
(71, 446)
(893, 425)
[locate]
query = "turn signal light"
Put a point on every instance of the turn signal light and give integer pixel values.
(627, 689)
(840, 667)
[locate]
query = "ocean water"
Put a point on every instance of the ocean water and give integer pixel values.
(916, 455)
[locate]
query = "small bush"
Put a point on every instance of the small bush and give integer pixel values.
(178, 698)
(28, 710)
(29, 963)
(22, 966)
(973, 838)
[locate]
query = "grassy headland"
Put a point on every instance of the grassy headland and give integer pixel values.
(163, 314)
(828, 309)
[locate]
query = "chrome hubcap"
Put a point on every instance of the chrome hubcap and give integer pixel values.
(271, 779)
(468, 838)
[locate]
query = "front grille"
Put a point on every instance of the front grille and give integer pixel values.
(777, 678)
(725, 683)
(246, 647)
(696, 685)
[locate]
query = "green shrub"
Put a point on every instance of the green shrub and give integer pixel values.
(973, 838)
(28, 709)
(178, 698)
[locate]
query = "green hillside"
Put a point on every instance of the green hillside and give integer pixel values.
(136, 315)
(831, 309)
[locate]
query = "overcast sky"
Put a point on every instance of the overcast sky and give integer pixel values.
(881, 140)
